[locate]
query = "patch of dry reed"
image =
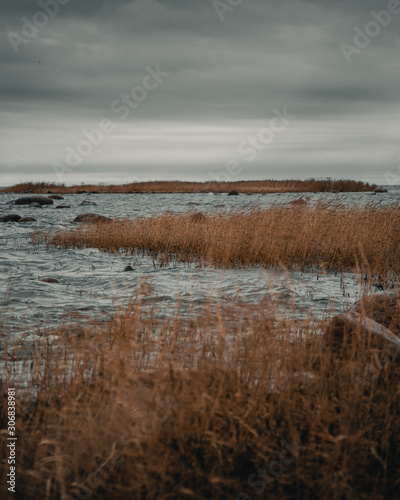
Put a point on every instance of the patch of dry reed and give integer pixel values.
(327, 236)
(253, 187)
(227, 404)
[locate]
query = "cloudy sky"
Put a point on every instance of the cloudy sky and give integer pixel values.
(198, 89)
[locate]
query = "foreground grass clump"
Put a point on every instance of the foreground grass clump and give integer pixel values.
(329, 237)
(267, 186)
(225, 405)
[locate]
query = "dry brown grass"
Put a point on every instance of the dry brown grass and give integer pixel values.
(267, 186)
(198, 408)
(328, 237)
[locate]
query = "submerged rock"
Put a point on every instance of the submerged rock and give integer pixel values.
(198, 217)
(88, 203)
(28, 200)
(27, 219)
(233, 193)
(11, 218)
(35, 205)
(91, 218)
(299, 202)
(56, 197)
(63, 206)
(380, 190)
(49, 280)
(128, 269)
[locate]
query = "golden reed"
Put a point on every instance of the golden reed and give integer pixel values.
(251, 187)
(224, 404)
(326, 236)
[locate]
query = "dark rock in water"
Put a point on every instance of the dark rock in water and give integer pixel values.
(63, 206)
(11, 218)
(233, 193)
(56, 197)
(50, 192)
(81, 192)
(35, 205)
(380, 190)
(87, 203)
(375, 319)
(27, 219)
(198, 217)
(91, 218)
(298, 202)
(49, 280)
(128, 269)
(346, 329)
(383, 307)
(28, 192)
(94, 192)
(27, 200)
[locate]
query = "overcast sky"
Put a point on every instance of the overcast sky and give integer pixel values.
(205, 83)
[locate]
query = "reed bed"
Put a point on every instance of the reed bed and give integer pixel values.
(327, 237)
(228, 404)
(251, 187)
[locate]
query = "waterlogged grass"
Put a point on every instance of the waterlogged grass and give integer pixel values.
(225, 405)
(266, 186)
(230, 403)
(327, 236)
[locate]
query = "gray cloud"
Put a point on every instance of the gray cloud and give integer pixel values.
(225, 77)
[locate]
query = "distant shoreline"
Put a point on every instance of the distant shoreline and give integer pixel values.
(172, 187)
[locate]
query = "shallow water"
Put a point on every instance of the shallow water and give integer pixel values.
(93, 283)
